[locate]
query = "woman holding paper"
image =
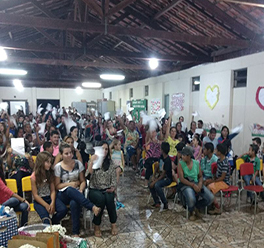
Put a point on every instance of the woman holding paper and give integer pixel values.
(70, 181)
(110, 132)
(102, 187)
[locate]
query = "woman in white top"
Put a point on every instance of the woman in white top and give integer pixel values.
(70, 181)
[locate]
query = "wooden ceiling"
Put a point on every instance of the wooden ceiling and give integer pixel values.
(65, 42)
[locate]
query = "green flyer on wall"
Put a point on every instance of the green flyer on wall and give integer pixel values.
(139, 105)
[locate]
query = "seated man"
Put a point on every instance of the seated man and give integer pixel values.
(163, 180)
(251, 157)
(211, 138)
(191, 189)
(206, 162)
(222, 177)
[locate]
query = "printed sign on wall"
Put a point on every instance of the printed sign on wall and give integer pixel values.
(155, 105)
(260, 97)
(257, 130)
(139, 105)
(177, 100)
(212, 96)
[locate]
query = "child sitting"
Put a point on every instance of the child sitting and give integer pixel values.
(257, 141)
(117, 158)
(163, 180)
(191, 183)
(222, 177)
(43, 189)
(197, 148)
(251, 157)
(206, 162)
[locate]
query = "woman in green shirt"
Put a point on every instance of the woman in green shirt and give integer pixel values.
(191, 183)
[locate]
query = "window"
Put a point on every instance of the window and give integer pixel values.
(240, 78)
(131, 92)
(110, 95)
(146, 90)
(103, 95)
(195, 83)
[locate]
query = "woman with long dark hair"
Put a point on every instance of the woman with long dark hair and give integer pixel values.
(180, 132)
(225, 135)
(102, 189)
(70, 182)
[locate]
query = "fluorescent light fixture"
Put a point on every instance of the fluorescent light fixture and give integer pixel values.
(196, 82)
(112, 77)
(18, 85)
(91, 85)
(79, 90)
(14, 72)
(3, 55)
(153, 63)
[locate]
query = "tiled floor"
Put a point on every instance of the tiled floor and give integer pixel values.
(140, 226)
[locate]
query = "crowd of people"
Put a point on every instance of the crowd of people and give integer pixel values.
(60, 159)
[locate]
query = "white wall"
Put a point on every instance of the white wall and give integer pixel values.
(235, 105)
(66, 96)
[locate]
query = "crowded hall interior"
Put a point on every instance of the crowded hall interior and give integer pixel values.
(131, 123)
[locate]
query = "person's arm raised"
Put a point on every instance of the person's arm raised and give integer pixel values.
(168, 127)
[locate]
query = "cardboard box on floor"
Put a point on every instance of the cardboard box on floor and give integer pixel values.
(15, 243)
(50, 240)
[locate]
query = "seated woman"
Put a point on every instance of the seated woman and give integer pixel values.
(102, 189)
(70, 181)
(153, 152)
(170, 137)
(225, 135)
(75, 152)
(10, 199)
(20, 166)
(43, 189)
(191, 183)
(110, 132)
(74, 135)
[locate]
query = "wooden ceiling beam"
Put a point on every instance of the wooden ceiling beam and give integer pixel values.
(225, 18)
(254, 3)
(100, 52)
(51, 23)
(48, 36)
(11, 4)
(43, 9)
(167, 8)
(60, 62)
(120, 6)
(95, 7)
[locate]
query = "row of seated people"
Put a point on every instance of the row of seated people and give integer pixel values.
(55, 188)
(196, 185)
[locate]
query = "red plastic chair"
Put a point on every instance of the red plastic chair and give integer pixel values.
(229, 189)
(248, 169)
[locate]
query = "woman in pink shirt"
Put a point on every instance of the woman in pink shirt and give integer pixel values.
(10, 199)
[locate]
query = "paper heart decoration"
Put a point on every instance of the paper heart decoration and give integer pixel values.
(260, 97)
(212, 96)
